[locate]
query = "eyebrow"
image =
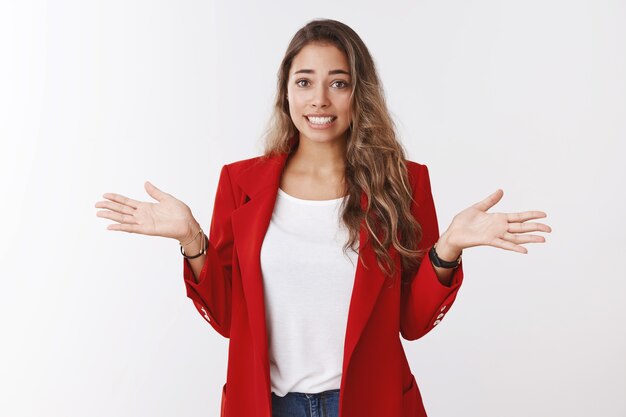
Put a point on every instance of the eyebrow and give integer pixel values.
(331, 72)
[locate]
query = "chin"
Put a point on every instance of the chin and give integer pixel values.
(323, 137)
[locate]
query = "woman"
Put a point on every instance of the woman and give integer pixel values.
(326, 248)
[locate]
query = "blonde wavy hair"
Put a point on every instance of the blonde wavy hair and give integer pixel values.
(375, 160)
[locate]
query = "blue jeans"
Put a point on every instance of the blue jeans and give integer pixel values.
(300, 404)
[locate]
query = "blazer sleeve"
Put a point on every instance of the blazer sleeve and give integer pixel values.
(212, 295)
(425, 300)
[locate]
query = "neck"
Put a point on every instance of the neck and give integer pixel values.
(319, 158)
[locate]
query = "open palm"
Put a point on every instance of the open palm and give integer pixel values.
(474, 226)
(169, 217)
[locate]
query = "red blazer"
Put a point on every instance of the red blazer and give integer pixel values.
(376, 379)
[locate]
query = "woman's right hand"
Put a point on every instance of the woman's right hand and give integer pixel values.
(169, 217)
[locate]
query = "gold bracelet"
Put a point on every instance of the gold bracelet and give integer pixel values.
(203, 248)
(181, 244)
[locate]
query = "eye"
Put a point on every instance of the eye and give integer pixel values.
(300, 80)
(345, 84)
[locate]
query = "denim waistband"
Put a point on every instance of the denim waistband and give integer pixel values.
(304, 404)
(326, 393)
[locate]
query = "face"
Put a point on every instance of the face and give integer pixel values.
(319, 83)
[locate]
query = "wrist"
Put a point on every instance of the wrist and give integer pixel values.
(192, 233)
(446, 249)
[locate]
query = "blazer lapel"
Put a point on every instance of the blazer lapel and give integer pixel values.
(250, 221)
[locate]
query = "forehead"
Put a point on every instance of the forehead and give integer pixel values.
(321, 58)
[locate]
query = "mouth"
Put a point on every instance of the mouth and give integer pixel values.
(320, 121)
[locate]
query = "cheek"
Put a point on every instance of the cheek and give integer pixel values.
(343, 102)
(295, 111)
(297, 106)
(346, 109)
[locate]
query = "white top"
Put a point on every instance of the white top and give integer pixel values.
(307, 283)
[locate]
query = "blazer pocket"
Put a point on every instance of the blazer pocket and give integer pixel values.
(223, 401)
(412, 401)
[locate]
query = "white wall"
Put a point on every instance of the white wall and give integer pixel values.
(99, 96)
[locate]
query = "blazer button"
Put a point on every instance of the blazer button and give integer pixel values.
(443, 308)
(440, 316)
(206, 316)
(436, 322)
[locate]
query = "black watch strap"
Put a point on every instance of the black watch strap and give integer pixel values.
(437, 261)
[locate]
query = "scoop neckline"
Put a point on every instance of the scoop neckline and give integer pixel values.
(309, 202)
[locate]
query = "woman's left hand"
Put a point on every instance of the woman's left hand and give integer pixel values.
(474, 227)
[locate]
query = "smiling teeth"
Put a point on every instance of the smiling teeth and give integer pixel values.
(320, 120)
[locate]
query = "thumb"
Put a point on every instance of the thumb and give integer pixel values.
(490, 201)
(154, 192)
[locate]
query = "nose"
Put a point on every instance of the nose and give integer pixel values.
(320, 97)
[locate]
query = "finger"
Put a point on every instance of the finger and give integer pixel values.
(119, 208)
(505, 244)
(518, 239)
(120, 218)
(490, 201)
(525, 215)
(154, 192)
(528, 227)
(130, 228)
(118, 198)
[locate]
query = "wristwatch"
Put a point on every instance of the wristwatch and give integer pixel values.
(437, 261)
